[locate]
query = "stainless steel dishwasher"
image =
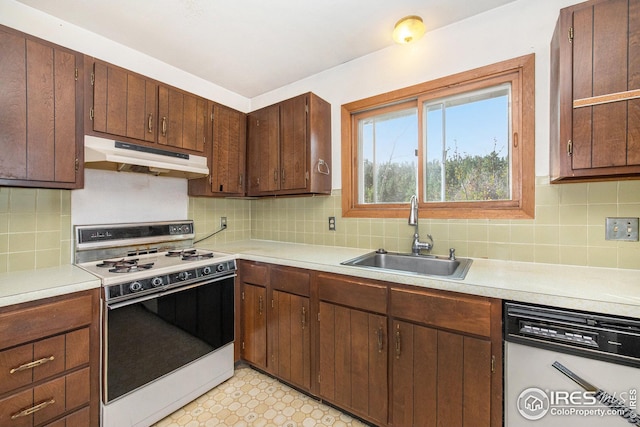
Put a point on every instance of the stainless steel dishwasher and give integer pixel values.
(570, 368)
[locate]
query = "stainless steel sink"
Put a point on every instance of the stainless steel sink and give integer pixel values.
(427, 265)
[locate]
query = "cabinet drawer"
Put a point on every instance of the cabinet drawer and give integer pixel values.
(290, 280)
(458, 313)
(352, 292)
(46, 401)
(20, 366)
(29, 324)
(77, 419)
(256, 274)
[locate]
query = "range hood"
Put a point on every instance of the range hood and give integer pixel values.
(101, 153)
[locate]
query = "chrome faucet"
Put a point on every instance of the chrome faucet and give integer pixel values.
(417, 245)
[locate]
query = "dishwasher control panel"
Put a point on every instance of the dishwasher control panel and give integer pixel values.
(594, 335)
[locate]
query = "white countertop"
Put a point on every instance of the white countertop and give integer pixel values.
(603, 290)
(22, 286)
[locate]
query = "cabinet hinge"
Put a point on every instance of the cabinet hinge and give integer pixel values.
(91, 113)
(319, 378)
(569, 148)
(306, 175)
(493, 364)
(242, 297)
(76, 74)
(93, 78)
(273, 304)
(257, 122)
(306, 108)
(77, 164)
(570, 35)
(243, 345)
(318, 316)
(211, 116)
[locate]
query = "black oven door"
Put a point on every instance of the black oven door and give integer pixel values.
(148, 338)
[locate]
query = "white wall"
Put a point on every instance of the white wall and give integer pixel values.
(513, 30)
(26, 19)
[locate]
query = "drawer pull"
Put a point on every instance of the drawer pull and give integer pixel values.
(33, 409)
(32, 365)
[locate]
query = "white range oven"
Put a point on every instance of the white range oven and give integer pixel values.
(167, 317)
(566, 368)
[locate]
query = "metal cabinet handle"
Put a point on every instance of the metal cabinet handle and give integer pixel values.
(31, 365)
(275, 175)
(150, 123)
(33, 409)
(282, 174)
(323, 167)
(164, 126)
(380, 334)
(398, 343)
(241, 180)
(304, 317)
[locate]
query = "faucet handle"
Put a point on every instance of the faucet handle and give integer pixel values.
(452, 254)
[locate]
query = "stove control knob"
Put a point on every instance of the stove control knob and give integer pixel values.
(184, 275)
(206, 270)
(220, 268)
(135, 287)
(157, 281)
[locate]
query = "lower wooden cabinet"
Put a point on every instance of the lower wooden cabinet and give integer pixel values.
(290, 339)
(254, 325)
(439, 378)
(49, 362)
(353, 360)
(393, 355)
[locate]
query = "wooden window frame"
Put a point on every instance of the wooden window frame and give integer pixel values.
(521, 72)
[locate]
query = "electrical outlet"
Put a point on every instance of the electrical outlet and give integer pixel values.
(223, 222)
(332, 223)
(621, 229)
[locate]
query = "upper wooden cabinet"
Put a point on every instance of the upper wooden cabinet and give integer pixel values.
(41, 102)
(135, 108)
(289, 148)
(595, 86)
(227, 158)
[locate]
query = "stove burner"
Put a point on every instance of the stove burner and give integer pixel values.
(128, 267)
(197, 256)
(180, 252)
(116, 262)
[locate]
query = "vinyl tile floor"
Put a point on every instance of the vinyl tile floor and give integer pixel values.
(252, 399)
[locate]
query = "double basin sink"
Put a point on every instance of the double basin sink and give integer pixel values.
(426, 265)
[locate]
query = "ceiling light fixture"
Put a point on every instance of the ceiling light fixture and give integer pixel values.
(408, 29)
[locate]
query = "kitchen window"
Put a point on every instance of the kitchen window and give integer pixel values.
(464, 144)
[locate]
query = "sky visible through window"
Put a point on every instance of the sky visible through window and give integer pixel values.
(474, 125)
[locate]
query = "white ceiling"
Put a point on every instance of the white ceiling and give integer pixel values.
(251, 47)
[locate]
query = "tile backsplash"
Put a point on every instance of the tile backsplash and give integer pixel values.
(35, 226)
(568, 227)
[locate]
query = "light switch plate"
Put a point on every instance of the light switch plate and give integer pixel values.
(621, 229)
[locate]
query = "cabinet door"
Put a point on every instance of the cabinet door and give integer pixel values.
(439, 378)
(353, 360)
(183, 119)
(254, 325)
(39, 127)
(229, 147)
(124, 103)
(263, 148)
(293, 143)
(595, 59)
(289, 339)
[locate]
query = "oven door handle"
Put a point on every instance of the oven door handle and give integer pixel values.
(113, 306)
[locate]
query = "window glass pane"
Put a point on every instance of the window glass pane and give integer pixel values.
(387, 163)
(469, 134)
